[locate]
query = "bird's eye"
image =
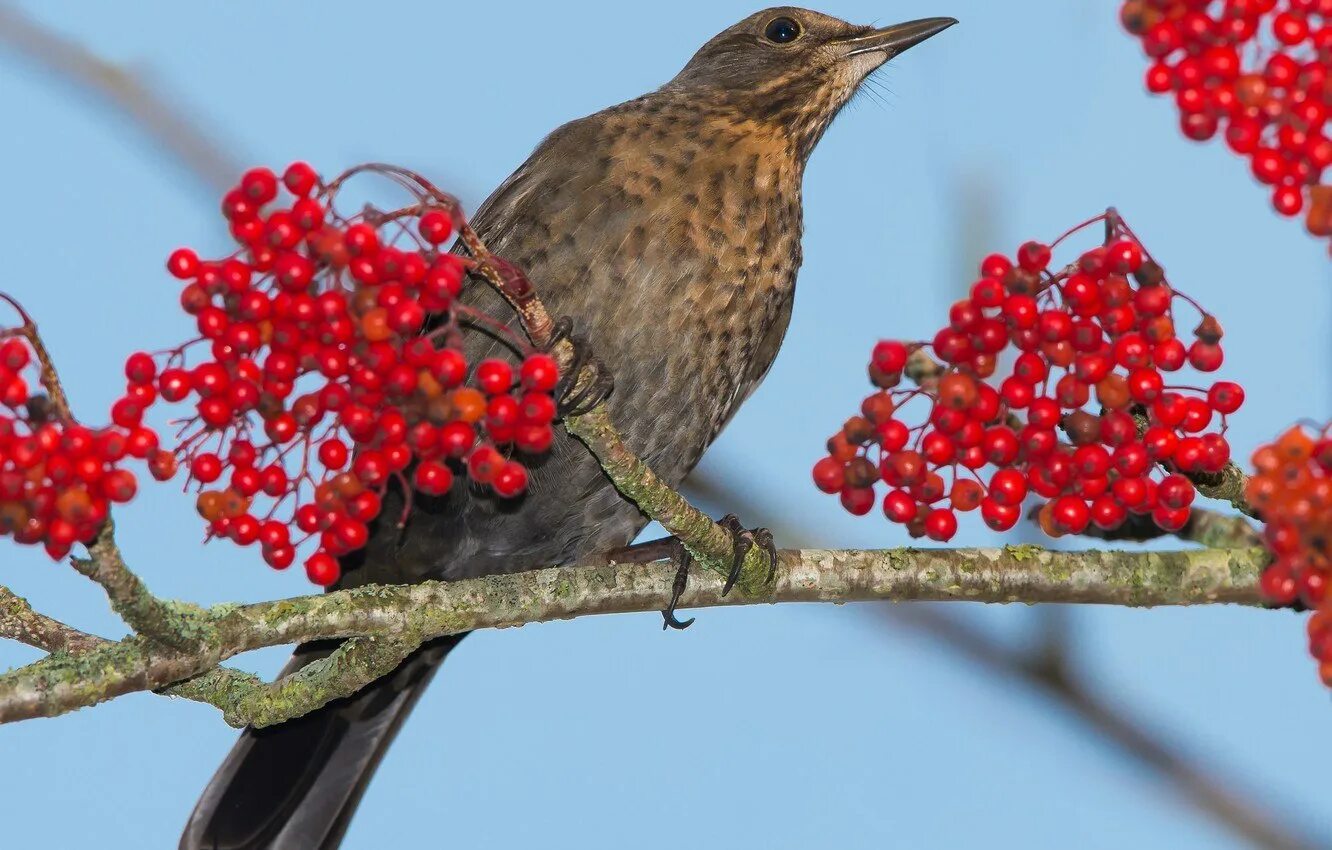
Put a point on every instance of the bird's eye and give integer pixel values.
(782, 31)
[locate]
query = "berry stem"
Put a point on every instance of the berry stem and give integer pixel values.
(49, 376)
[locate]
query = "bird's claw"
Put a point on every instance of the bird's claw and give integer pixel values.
(684, 559)
(574, 397)
(743, 540)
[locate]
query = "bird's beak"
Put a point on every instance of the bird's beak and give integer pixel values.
(896, 39)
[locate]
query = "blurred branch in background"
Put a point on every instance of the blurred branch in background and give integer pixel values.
(1046, 667)
(122, 91)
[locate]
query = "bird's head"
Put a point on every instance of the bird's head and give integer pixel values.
(795, 68)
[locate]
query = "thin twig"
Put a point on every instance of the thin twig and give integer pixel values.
(123, 92)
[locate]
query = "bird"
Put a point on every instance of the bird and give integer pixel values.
(668, 229)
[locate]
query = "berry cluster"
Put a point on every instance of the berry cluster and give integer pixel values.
(1082, 415)
(1257, 70)
(58, 479)
(333, 368)
(1292, 488)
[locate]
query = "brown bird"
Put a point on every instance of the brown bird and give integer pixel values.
(668, 228)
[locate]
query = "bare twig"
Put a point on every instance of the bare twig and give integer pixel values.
(123, 92)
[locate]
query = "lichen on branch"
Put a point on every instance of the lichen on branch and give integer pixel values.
(406, 615)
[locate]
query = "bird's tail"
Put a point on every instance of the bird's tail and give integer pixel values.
(296, 785)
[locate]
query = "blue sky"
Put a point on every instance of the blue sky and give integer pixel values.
(788, 726)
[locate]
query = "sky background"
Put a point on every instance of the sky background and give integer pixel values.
(781, 727)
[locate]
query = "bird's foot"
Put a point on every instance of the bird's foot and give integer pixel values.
(684, 560)
(665, 547)
(743, 540)
(573, 396)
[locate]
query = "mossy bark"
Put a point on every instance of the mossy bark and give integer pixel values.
(400, 617)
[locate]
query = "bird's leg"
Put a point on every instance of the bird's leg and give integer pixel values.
(666, 547)
(674, 548)
(743, 540)
(684, 560)
(570, 398)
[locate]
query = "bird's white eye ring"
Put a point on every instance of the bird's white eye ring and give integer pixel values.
(782, 30)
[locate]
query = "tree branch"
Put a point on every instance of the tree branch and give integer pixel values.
(174, 624)
(122, 91)
(350, 667)
(1062, 683)
(1047, 668)
(414, 613)
(18, 621)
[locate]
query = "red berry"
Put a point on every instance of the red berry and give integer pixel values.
(183, 264)
(829, 475)
(483, 464)
(432, 478)
(449, 367)
(1033, 256)
(858, 500)
(333, 454)
(938, 448)
(206, 468)
(899, 506)
(941, 524)
(1070, 515)
(322, 569)
(1000, 517)
(539, 372)
(1205, 357)
(1170, 355)
(1107, 513)
(890, 356)
(259, 185)
(435, 226)
(1175, 491)
(494, 376)
(995, 266)
(1225, 397)
(1145, 385)
(966, 495)
(1170, 519)
(300, 179)
(279, 557)
(1008, 487)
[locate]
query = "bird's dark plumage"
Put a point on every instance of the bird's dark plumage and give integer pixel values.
(669, 228)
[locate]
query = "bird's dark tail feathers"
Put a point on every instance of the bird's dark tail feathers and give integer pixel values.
(295, 786)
